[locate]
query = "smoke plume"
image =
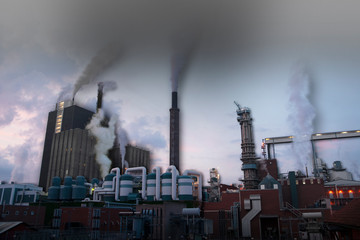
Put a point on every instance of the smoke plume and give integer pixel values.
(103, 60)
(183, 49)
(105, 137)
(302, 114)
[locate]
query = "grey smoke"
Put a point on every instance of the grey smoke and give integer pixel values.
(184, 47)
(65, 93)
(301, 115)
(102, 61)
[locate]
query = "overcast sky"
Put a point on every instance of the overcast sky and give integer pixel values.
(241, 51)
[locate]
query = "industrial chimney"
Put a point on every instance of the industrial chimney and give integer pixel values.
(174, 132)
(100, 96)
(248, 156)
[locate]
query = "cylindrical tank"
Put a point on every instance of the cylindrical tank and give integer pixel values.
(108, 184)
(66, 189)
(166, 185)
(185, 184)
(151, 186)
(54, 190)
(79, 190)
(126, 186)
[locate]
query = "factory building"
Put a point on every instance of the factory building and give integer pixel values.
(137, 156)
(13, 193)
(65, 117)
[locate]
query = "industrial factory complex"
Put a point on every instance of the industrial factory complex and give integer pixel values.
(136, 200)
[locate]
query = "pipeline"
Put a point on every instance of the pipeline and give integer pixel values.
(174, 174)
(143, 179)
(156, 170)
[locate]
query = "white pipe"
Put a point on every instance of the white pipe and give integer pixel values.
(97, 191)
(174, 174)
(246, 220)
(143, 177)
(196, 173)
(157, 183)
(117, 182)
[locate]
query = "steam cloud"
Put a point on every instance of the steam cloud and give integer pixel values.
(105, 137)
(302, 114)
(103, 60)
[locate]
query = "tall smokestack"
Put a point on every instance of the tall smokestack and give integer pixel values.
(174, 132)
(100, 96)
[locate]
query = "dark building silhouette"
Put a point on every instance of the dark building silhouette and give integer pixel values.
(137, 157)
(65, 117)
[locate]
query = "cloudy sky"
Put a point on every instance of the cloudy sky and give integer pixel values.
(239, 50)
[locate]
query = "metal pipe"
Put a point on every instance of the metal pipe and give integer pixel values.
(174, 174)
(156, 170)
(143, 179)
(117, 182)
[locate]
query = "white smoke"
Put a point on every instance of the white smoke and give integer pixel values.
(103, 60)
(302, 115)
(105, 137)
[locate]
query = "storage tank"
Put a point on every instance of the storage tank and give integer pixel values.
(54, 190)
(126, 186)
(151, 186)
(79, 189)
(108, 184)
(66, 189)
(166, 185)
(185, 184)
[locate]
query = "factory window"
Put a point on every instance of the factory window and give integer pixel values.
(351, 194)
(262, 186)
(318, 180)
(32, 213)
(276, 186)
(331, 194)
(16, 213)
(25, 213)
(96, 223)
(311, 181)
(288, 182)
(304, 181)
(297, 182)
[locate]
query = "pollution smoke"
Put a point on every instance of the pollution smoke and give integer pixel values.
(183, 49)
(302, 114)
(102, 61)
(105, 137)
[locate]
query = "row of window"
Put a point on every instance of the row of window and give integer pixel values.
(17, 213)
(340, 194)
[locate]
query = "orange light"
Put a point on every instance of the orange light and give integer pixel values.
(350, 191)
(340, 191)
(331, 192)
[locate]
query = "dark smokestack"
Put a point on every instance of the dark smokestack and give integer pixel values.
(100, 96)
(174, 132)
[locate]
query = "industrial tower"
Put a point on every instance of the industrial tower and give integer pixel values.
(248, 156)
(174, 132)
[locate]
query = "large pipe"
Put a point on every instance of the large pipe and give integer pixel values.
(143, 179)
(117, 182)
(174, 174)
(156, 170)
(196, 173)
(102, 191)
(246, 220)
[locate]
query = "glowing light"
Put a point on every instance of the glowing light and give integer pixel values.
(267, 138)
(331, 192)
(358, 131)
(344, 132)
(350, 191)
(340, 191)
(291, 137)
(318, 134)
